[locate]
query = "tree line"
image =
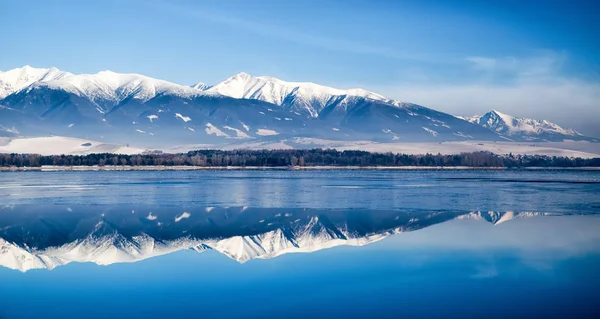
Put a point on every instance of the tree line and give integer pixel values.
(283, 158)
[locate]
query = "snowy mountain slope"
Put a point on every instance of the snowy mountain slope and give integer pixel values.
(17, 79)
(201, 86)
(125, 108)
(524, 128)
(33, 238)
(105, 86)
(302, 97)
(353, 114)
(134, 109)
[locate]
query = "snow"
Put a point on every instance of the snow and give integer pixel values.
(184, 215)
(213, 130)
(99, 87)
(266, 132)
(201, 86)
(106, 89)
(17, 79)
(183, 118)
(509, 125)
(238, 133)
(430, 131)
(313, 97)
(57, 145)
(460, 134)
(550, 149)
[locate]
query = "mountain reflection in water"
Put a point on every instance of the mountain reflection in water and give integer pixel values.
(37, 236)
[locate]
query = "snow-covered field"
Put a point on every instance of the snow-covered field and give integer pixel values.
(550, 149)
(57, 145)
(570, 149)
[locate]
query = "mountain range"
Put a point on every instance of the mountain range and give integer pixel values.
(147, 112)
(34, 237)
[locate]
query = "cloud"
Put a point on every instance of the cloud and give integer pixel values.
(570, 103)
(286, 33)
(482, 62)
(532, 87)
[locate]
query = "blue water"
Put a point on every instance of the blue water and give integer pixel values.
(550, 191)
(538, 267)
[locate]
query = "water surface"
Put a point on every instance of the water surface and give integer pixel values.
(256, 244)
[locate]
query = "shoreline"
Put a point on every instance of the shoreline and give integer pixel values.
(127, 168)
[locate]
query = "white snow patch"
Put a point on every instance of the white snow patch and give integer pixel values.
(430, 131)
(266, 132)
(238, 133)
(213, 130)
(184, 118)
(461, 134)
(182, 216)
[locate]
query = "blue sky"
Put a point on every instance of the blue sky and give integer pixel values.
(526, 58)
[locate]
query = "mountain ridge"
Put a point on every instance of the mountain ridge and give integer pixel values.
(524, 128)
(132, 108)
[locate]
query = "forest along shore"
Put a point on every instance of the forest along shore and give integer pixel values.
(111, 168)
(286, 159)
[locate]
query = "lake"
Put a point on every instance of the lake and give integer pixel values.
(296, 244)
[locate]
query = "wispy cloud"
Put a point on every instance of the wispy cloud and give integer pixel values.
(544, 66)
(286, 33)
(527, 86)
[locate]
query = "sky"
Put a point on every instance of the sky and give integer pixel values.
(534, 58)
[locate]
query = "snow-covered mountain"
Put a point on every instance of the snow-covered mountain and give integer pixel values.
(105, 86)
(149, 113)
(302, 97)
(34, 238)
(17, 79)
(520, 129)
(131, 108)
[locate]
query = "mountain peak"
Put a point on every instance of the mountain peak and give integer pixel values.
(243, 75)
(303, 97)
(525, 128)
(17, 79)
